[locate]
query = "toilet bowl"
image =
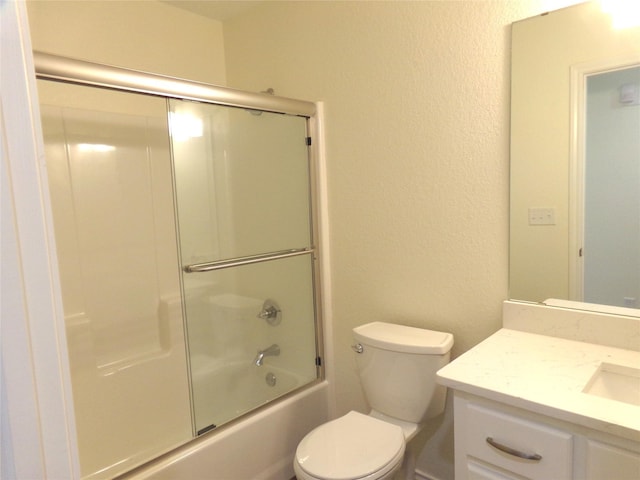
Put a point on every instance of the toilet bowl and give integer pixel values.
(354, 446)
(397, 366)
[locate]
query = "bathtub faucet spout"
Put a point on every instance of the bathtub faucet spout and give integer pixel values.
(272, 351)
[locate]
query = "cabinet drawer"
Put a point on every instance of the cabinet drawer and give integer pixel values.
(554, 447)
(476, 471)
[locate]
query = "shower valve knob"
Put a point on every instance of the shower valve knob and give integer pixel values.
(268, 313)
(271, 313)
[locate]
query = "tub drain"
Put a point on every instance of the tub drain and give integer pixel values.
(271, 379)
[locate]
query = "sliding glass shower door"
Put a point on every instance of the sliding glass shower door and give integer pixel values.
(184, 244)
(109, 169)
(244, 210)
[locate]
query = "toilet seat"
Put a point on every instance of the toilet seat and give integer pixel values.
(354, 446)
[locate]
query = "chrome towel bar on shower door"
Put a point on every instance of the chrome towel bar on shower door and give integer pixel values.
(236, 262)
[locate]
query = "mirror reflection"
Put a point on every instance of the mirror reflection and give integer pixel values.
(575, 158)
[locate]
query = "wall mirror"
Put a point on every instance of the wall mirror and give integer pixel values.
(575, 158)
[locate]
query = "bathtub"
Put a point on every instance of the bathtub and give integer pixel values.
(259, 446)
(224, 390)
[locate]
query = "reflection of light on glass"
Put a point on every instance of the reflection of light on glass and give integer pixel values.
(184, 126)
(624, 13)
(95, 147)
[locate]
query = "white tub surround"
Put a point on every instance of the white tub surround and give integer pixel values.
(536, 392)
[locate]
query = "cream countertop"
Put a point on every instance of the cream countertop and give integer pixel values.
(545, 375)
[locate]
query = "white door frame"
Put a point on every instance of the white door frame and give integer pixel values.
(577, 155)
(37, 419)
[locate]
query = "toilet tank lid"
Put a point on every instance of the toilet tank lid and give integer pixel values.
(401, 338)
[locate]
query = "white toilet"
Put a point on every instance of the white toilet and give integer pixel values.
(397, 367)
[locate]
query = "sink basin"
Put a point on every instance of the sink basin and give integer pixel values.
(615, 382)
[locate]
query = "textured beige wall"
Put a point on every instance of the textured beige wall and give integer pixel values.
(142, 35)
(417, 137)
(417, 108)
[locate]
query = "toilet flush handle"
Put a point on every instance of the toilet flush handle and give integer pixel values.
(358, 348)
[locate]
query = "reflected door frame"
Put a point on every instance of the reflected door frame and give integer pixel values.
(577, 158)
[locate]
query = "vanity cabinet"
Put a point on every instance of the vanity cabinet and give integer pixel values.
(494, 441)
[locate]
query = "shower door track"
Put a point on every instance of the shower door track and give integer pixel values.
(69, 70)
(236, 262)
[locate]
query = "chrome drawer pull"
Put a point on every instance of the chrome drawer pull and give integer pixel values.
(511, 451)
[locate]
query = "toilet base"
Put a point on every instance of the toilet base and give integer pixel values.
(409, 463)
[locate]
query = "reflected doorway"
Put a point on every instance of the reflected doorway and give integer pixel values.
(607, 204)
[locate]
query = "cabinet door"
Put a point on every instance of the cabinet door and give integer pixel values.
(607, 461)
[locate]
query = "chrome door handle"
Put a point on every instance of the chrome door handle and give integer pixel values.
(237, 262)
(516, 453)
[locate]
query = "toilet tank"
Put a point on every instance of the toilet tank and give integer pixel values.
(397, 366)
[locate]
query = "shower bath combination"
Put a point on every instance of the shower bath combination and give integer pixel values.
(168, 247)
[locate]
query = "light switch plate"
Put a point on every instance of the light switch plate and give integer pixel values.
(542, 216)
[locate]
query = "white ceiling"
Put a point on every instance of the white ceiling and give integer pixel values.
(218, 10)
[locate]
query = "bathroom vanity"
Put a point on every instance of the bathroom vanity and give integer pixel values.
(554, 394)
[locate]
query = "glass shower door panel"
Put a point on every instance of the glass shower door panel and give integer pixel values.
(243, 189)
(226, 335)
(110, 181)
(242, 181)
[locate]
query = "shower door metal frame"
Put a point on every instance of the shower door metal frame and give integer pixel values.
(64, 69)
(80, 72)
